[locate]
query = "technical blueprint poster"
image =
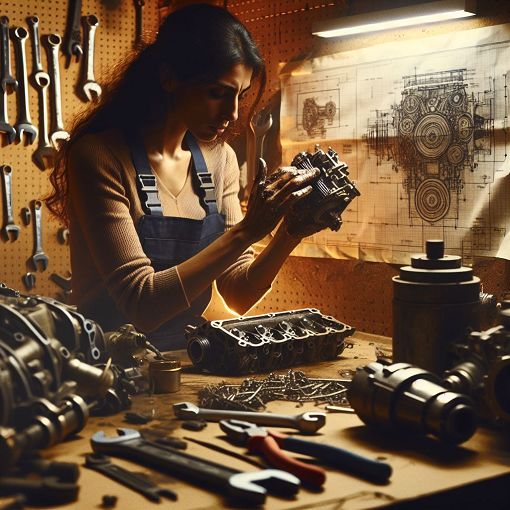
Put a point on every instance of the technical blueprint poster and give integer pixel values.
(423, 126)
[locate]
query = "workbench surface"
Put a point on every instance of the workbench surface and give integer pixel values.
(426, 473)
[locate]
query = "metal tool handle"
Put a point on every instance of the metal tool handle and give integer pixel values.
(90, 23)
(270, 449)
(338, 457)
(270, 419)
(7, 178)
(37, 205)
(5, 69)
(33, 24)
(54, 41)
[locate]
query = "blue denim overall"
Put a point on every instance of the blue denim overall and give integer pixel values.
(168, 241)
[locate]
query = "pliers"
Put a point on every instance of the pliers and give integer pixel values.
(270, 444)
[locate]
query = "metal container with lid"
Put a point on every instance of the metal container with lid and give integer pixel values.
(436, 301)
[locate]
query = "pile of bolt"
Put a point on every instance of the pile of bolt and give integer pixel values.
(253, 394)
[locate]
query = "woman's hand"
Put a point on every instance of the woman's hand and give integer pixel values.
(272, 197)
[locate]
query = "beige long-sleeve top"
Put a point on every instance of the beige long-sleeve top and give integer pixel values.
(106, 254)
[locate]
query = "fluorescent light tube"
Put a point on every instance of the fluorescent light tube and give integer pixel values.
(418, 14)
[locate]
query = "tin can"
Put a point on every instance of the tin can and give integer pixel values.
(165, 375)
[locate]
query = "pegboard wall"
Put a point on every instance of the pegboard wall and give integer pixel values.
(114, 39)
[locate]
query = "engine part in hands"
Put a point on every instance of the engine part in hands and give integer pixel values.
(258, 440)
(10, 230)
(134, 481)
(7, 82)
(227, 451)
(57, 132)
(435, 301)
(39, 258)
(331, 193)
(29, 280)
(72, 36)
(139, 4)
(407, 399)
(44, 155)
(270, 443)
(88, 88)
(250, 487)
(258, 127)
(165, 375)
(482, 370)
(24, 126)
(262, 343)
(253, 394)
(306, 423)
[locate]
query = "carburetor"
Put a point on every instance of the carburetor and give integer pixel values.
(331, 193)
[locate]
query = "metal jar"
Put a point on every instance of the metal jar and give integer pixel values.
(436, 301)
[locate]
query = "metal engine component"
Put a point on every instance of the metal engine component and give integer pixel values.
(331, 193)
(263, 343)
(406, 399)
(482, 370)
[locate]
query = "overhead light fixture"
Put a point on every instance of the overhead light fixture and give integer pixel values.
(418, 14)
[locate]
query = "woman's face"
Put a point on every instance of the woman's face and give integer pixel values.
(207, 108)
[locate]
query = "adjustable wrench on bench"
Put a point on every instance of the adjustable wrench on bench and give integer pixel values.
(24, 124)
(39, 257)
(11, 230)
(251, 487)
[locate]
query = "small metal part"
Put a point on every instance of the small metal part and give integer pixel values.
(109, 501)
(137, 418)
(63, 235)
(165, 375)
(340, 409)
(195, 425)
(29, 280)
(26, 216)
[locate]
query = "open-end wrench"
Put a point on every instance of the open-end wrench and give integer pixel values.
(72, 37)
(306, 423)
(251, 487)
(45, 153)
(88, 88)
(38, 257)
(10, 230)
(134, 481)
(24, 124)
(138, 22)
(57, 132)
(7, 81)
(256, 133)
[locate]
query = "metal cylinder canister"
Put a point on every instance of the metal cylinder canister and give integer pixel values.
(165, 375)
(436, 301)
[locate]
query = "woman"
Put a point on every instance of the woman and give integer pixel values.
(151, 228)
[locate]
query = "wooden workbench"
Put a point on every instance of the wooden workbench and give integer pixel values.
(426, 474)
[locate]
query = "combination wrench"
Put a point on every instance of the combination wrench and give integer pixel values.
(7, 82)
(24, 124)
(11, 230)
(45, 153)
(250, 487)
(88, 88)
(306, 423)
(38, 257)
(72, 37)
(57, 132)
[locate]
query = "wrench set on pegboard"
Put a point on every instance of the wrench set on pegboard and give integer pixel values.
(53, 55)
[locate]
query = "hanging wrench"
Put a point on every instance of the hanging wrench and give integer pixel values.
(23, 123)
(256, 133)
(7, 82)
(45, 153)
(88, 88)
(39, 256)
(57, 131)
(72, 36)
(251, 487)
(138, 22)
(10, 227)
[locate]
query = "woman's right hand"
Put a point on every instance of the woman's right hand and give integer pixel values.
(271, 197)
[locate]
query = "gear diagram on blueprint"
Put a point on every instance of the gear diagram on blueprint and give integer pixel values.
(426, 139)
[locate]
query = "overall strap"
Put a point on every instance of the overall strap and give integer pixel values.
(145, 178)
(206, 193)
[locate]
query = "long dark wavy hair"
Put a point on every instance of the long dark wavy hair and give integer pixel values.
(196, 43)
